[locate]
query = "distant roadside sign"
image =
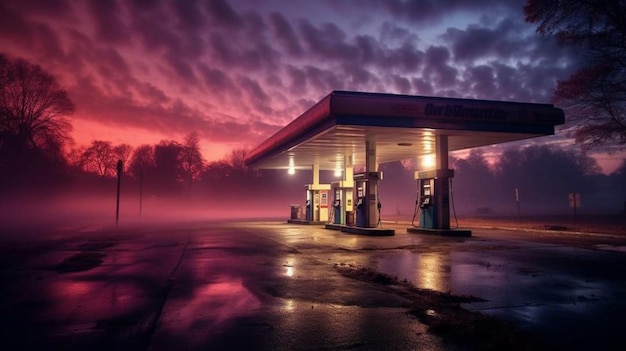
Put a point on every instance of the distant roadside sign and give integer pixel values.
(574, 200)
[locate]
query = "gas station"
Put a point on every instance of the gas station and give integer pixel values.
(353, 130)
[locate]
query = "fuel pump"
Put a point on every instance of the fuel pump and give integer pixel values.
(308, 206)
(433, 198)
(367, 202)
(317, 202)
(428, 212)
(342, 202)
(361, 201)
(337, 215)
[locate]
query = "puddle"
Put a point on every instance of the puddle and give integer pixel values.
(550, 291)
(82, 261)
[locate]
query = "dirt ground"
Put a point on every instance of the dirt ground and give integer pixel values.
(601, 224)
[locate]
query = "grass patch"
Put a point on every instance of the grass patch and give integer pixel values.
(444, 316)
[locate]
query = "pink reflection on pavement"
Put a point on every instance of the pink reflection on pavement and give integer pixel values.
(76, 301)
(209, 307)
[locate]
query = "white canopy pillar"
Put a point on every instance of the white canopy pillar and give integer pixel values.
(348, 171)
(442, 183)
(316, 173)
(371, 167)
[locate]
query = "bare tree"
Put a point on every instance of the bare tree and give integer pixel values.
(4, 71)
(167, 171)
(236, 159)
(123, 152)
(99, 158)
(191, 160)
(142, 161)
(595, 96)
(32, 106)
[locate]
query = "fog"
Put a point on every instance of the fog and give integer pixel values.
(84, 211)
(544, 178)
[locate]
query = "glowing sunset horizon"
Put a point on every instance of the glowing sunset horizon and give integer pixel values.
(235, 72)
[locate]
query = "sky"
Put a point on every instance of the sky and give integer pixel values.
(140, 71)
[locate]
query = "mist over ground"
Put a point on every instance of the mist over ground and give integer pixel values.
(543, 176)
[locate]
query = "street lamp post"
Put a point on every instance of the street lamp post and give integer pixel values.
(120, 167)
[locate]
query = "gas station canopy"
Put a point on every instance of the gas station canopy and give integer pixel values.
(400, 126)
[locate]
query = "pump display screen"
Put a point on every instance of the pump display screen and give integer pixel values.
(426, 191)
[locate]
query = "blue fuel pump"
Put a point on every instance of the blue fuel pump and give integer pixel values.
(433, 198)
(309, 211)
(428, 211)
(361, 203)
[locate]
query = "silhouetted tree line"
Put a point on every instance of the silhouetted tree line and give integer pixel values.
(594, 97)
(34, 133)
(544, 176)
(33, 128)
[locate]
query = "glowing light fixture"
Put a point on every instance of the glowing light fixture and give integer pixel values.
(292, 166)
(428, 161)
(338, 172)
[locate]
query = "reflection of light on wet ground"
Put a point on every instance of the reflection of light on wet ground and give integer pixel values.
(210, 305)
(429, 272)
(289, 271)
(289, 305)
(426, 270)
(611, 247)
(76, 302)
(72, 289)
(289, 267)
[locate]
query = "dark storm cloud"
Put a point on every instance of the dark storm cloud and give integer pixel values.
(327, 41)
(324, 80)
(285, 33)
(222, 13)
(430, 11)
(152, 94)
(509, 87)
(297, 77)
(182, 68)
(189, 14)
(483, 80)
(421, 87)
(406, 58)
(437, 68)
(368, 49)
(110, 27)
(228, 67)
(253, 89)
(217, 80)
(402, 84)
(504, 41)
(148, 25)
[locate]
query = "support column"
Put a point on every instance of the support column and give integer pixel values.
(372, 184)
(442, 184)
(316, 173)
(348, 172)
(347, 191)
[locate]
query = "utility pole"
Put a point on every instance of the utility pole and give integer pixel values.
(517, 201)
(140, 191)
(120, 167)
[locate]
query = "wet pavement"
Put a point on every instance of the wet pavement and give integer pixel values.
(272, 285)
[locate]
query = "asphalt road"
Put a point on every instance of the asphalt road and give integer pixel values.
(270, 285)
